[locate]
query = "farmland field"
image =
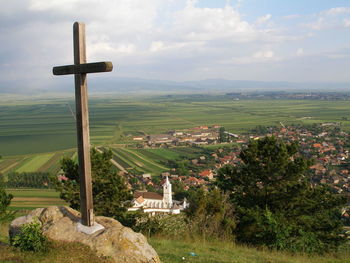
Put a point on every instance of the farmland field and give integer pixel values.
(48, 162)
(152, 161)
(34, 198)
(48, 126)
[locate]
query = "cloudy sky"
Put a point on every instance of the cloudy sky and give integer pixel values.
(268, 40)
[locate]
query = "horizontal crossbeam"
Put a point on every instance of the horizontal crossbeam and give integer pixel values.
(83, 68)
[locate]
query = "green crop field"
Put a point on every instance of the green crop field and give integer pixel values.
(160, 154)
(129, 158)
(48, 162)
(34, 198)
(152, 161)
(35, 163)
(48, 126)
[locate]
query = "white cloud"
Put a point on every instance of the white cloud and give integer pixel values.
(263, 19)
(206, 24)
(268, 54)
(336, 11)
(346, 22)
(300, 52)
(262, 56)
(61, 5)
(321, 23)
(337, 56)
(330, 18)
(294, 16)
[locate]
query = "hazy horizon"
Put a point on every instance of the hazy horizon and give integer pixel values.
(184, 40)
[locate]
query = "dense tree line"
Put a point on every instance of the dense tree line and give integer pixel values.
(30, 180)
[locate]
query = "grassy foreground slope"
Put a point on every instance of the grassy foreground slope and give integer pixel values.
(37, 127)
(171, 251)
(59, 252)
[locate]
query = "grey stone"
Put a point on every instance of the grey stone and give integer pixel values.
(120, 244)
(89, 229)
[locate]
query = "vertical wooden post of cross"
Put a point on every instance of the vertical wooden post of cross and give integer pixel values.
(83, 135)
(80, 69)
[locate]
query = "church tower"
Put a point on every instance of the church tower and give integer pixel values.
(167, 197)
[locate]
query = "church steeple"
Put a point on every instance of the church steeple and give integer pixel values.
(167, 194)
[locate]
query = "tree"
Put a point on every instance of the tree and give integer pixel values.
(28, 179)
(275, 204)
(222, 135)
(5, 201)
(110, 192)
(210, 214)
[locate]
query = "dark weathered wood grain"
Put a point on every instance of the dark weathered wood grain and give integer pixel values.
(83, 134)
(83, 68)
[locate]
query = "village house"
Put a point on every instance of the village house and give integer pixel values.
(207, 173)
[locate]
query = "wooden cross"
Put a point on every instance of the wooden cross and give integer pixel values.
(80, 69)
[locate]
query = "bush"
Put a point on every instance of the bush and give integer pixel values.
(170, 226)
(210, 215)
(31, 238)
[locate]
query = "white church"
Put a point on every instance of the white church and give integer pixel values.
(155, 203)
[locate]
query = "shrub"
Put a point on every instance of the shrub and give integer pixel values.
(31, 238)
(171, 226)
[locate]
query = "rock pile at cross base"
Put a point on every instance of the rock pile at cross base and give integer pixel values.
(119, 243)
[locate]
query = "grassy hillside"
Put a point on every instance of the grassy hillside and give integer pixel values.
(171, 251)
(36, 127)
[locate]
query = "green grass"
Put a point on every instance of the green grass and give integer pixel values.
(171, 251)
(57, 252)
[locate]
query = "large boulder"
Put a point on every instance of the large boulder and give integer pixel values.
(119, 243)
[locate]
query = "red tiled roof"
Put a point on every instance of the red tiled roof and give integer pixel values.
(148, 195)
(205, 173)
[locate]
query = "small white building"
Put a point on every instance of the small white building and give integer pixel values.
(155, 203)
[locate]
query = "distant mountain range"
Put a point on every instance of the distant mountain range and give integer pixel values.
(157, 87)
